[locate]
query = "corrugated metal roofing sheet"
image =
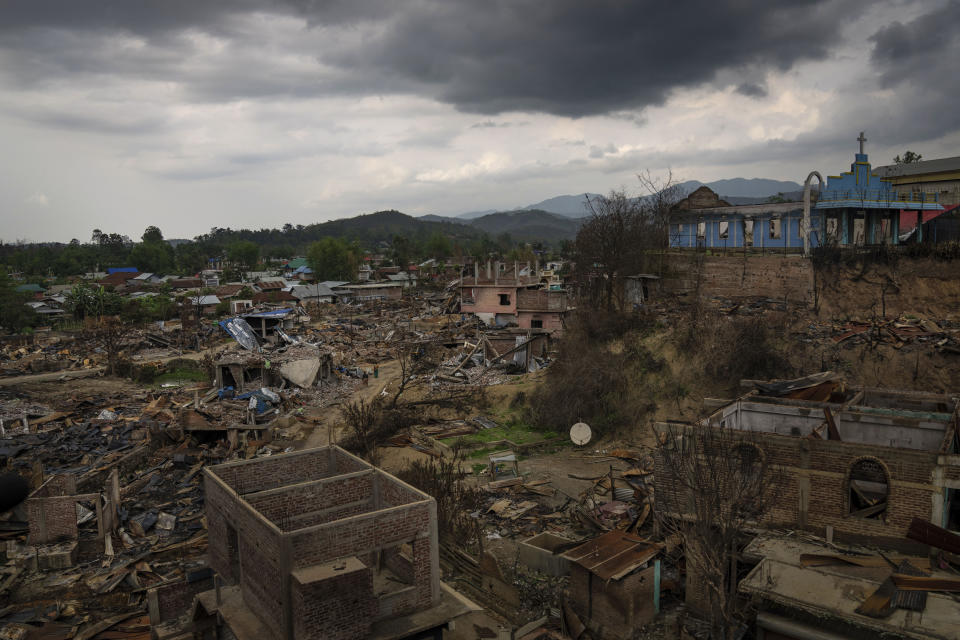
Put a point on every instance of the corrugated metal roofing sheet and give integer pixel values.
(613, 555)
(276, 313)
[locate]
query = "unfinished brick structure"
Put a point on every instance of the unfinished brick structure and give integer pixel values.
(541, 309)
(862, 462)
(322, 544)
(52, 510)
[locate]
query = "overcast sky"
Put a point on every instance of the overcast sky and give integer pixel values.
(189, 114)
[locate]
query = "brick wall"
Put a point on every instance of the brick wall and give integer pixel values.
(176, 598)
(487, 299)
(551, 321)
(269, 473)
(393, 493)
(283, 506)
(813, 492)
(541, 300)
(258, 552)
(341, 606)
(616, 608)
(52, 519)
(360, 534)
(735, 277)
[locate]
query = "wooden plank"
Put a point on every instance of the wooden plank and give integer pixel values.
(929, 533)
(923, 583)
(869, 511)
(831, 425)
(879, 604)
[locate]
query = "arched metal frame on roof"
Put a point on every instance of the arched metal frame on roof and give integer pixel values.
(805, 232)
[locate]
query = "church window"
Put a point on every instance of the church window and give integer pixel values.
(775, 228)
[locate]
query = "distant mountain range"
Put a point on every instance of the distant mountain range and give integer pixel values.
(733, 190)
(559, 217)
(745, 187)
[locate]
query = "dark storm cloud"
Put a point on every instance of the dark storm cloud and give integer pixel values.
(752, 89)
(920, 49)
(918, 60)
(564, 57)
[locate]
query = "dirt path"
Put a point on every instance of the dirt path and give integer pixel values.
(328, 418)
(53, 376)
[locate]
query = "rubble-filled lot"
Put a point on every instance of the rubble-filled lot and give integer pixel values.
(115, 467)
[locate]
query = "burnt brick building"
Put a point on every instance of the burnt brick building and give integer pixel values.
(319, 544)
(888, 457)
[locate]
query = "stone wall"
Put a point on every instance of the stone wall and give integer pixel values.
(780, 277)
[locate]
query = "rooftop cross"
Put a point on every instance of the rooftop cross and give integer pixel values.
(862, 139)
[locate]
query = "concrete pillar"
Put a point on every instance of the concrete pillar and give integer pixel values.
(434, 555)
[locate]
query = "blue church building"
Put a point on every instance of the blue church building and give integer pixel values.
(855, 208)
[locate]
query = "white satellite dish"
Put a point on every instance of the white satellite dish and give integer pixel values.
(580, 434)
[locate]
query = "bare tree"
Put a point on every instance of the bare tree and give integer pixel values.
(362, 420)
(444, 479)
(108, 333)
(623, 236)
(712, 484)
(658, 199)
(606, 245)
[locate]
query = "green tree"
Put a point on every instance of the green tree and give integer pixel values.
(15, 315)
(152, 235)
(153, 254)
(909, 157)
(777, 198)
(438, 246)
(244, 253)
(402, 250)
(333, 259)
(86, 301)
(190, 257)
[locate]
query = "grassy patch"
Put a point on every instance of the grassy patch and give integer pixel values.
(516, 431)
(181, 376)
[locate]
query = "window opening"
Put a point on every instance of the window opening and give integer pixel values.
(868, 490)
(775, 228)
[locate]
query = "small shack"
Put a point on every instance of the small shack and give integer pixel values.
(639, 289)
(614, 585)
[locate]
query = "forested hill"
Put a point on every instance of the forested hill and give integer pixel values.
(369, 229)
(390, 232)
(529, 225)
